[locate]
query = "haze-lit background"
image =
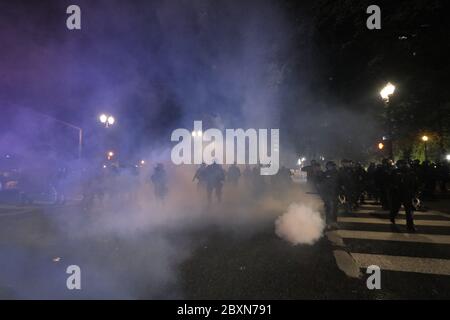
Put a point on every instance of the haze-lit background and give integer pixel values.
(313, 70)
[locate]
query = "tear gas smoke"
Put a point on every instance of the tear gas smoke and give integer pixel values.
(186, 60)
(300, 224)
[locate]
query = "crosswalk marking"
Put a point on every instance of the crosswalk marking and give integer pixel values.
(433, 223)
(371, 214)
(393, 236)
(369, 204)
(416, 213)
(404, 264)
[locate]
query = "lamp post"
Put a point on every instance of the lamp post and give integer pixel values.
(385, 94)
(67, 124)
(425, 140)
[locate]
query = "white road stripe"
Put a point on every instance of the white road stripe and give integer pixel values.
(369, 205)
(430, 223)
(404, 264)
(416, 213)
(393, 236)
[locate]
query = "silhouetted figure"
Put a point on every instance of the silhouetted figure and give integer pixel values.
(215, 175)
(233, 175)
(200, 176)
(361, 181)
(329, 186)
(403, 191)
(382, 181)
(370, 182)
(159, 180)
(349, 186)
(313, 173)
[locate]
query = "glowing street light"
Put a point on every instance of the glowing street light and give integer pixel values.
(447, 157)
(110, 155)
(387, 91)
(425, 138)
(198, 133)
(381, 146)
(107, 120)
(111, 120)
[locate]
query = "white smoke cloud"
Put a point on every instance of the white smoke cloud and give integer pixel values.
(301, 224)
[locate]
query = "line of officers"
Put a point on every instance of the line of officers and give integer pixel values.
(212, 178)
(122, 182)
(391, 185)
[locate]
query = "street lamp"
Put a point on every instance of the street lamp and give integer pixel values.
(385, 94)
(107, 120)
(387, 91)
(198, 133)
(425, 140)
(447, 157)
(110, 155)
(381, 146)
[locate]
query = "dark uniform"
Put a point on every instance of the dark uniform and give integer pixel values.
(159, 179)
(429, 177)
(361, 182)
(233, 175)
(215, 175)
(329, 189)
(382, 181)
(370, 182)
(347, 178)
(258, 181)
(200, 176)
(313, 173)
(402, 192)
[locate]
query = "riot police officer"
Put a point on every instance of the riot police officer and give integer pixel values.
(215, 175)
(200, 176)
(347, 177)
(383, 184)
(402, 192)
(329, 187)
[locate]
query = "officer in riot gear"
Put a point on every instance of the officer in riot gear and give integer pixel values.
(200, 176)
(383, 183)
(402, 192)
(215, 176)
(347, 177)
(329, 188)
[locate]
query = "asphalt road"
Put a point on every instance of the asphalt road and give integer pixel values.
(191, 261)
